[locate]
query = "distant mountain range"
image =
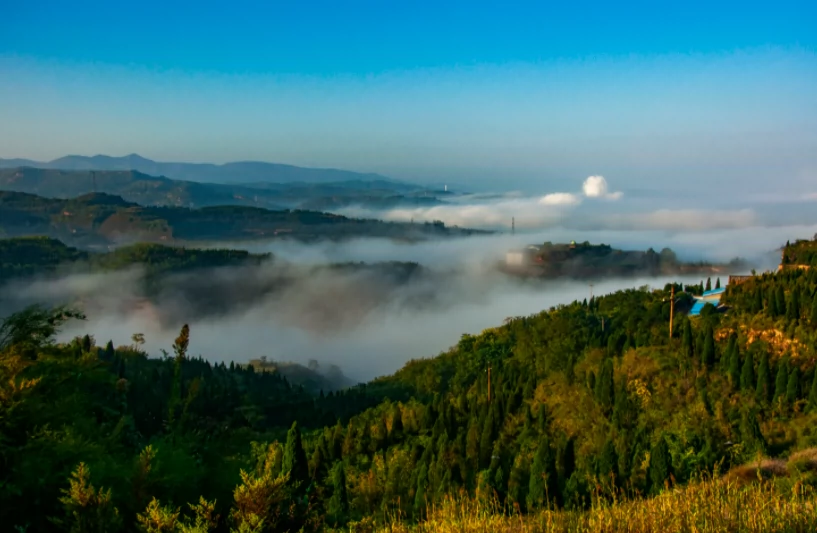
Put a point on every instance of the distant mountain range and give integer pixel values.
(233, 173)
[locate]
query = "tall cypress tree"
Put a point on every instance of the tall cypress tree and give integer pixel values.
(734, 368)
(763, 392)
(708, 355)
(793, 309)
(687, 341)
(747, 375)
(780, 296)
(294, 460)
(708, 284)
(793, 387)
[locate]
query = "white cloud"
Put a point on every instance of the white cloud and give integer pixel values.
(596, 187)
(559, 198)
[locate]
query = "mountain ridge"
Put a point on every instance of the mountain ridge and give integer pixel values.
(230, 173)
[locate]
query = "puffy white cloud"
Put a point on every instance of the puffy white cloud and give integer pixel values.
(596, 187)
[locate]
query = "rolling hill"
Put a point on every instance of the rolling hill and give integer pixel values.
(102, 219)
(136, 186)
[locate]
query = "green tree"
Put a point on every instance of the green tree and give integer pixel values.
(541, 488)
(605, 387)
(734, 368)
(708, 354)
(660, 467)
(763, 392)
(812, 397)
(708, 284)
(338, 505)
(752, 437)
(294, 462)
(747, 375)
(718, 283)
(607, 465)
(782, 379)
(793, 387)
(814, 310)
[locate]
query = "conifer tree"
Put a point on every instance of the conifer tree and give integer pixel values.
(763, 391)
(812, 397)
(109, 351)
(294, 461)
(780, 297)
(542, 477)
(734, 368)
(793, 309)
(607, 465)
(420, 492)
(486, 442)
(758, 305)
(747, 375)
(814, 310)
(660, 465)
(708, 354)
(752, 437)
(708, 284)
(518, 482)
(782, 379)
(338, 505)
(180, 349)
(605, 386)
(793, 387)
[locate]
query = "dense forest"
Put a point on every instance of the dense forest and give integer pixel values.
(102, 219)
(586, 402)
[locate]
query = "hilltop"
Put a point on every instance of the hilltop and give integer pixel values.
(592, 403)
(146, 189)
(237, 172)
(99, 219)
(586, 260)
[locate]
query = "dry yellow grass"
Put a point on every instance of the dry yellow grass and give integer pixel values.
(710, 506)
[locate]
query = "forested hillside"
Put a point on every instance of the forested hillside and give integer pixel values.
(102, 219)
(145, 189)
(589, 404)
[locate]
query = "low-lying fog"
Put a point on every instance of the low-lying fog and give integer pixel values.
(368, 322)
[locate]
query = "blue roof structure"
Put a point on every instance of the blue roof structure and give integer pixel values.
(696, 309)
(713, 292)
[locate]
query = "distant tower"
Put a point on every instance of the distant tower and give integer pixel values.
(513, 225)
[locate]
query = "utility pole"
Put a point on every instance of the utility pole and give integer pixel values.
(671, 309)
(489, 384)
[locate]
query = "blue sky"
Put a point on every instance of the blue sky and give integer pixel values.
(524, 95)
